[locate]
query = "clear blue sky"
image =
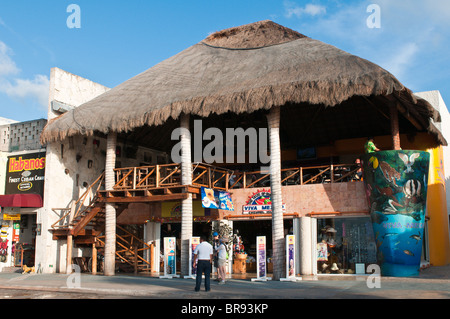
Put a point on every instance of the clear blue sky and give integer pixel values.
(119, 39)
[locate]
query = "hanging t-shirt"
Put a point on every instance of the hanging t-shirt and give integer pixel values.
(370, 147)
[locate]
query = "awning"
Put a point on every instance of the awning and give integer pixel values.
(21, 200)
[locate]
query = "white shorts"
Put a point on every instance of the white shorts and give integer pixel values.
(221, 262)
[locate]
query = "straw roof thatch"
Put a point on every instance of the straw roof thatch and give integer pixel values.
(243, 69)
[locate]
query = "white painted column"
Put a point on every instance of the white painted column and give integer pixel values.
(110, 228)
(306, 245)
(278, 241)
(186, 204)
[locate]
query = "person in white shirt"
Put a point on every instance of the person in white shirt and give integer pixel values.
(203, 253)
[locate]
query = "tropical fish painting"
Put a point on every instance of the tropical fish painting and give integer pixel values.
(416, 237)
(396, 188)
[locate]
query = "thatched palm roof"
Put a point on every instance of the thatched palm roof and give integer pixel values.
(243, 69)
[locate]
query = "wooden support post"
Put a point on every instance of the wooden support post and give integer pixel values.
(70, 239)
(135, 259)
(227, 176)
(94, 259)
(209, 177)
(395, 131)
(69, 254)
(157, 175)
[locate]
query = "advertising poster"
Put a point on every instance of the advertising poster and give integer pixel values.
(396, 186)
(25, 174)
(194, 241)
(261, 259)
(322, 251)
(290, 256)
(170, 262)
(16, 231)
(225, 201)
(216, 199)
(290, 259)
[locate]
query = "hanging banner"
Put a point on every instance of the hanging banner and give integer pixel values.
(396, 186)
(170, 258)
(261, 259)
(225, 201)
(216, 199)
(193, 242)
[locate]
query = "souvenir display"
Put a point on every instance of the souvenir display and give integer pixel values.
(350, 241)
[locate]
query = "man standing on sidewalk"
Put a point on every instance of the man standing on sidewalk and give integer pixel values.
(204, 254)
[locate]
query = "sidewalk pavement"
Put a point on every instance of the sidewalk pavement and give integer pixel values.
(432, 283)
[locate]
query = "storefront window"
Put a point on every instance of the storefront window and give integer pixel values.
(345, 245)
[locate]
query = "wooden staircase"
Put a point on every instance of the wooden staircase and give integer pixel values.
(129, 251)
(83, 222)
(86, 224)
(84, 219)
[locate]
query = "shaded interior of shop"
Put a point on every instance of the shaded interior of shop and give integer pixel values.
(23, 240)
(345, 245)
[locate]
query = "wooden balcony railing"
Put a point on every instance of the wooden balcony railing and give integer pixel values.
(223, 179)
(170, 175)
(297, 176)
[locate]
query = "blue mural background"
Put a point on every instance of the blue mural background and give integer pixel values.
(396, 188)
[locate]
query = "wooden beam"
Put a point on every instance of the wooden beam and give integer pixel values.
(395, 130)
(94, 258)
(69, 254)
(143, 199)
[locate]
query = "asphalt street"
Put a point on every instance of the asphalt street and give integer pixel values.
(239, 297)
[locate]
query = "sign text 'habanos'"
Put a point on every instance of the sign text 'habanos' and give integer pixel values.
(25, 174)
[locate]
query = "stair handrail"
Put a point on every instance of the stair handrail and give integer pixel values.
(77, 207)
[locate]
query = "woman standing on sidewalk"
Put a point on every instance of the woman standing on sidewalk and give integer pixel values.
(222, 260)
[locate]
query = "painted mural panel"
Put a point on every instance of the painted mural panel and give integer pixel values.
(396, 187)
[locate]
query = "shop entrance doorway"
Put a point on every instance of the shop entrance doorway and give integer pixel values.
(23, 240)
(248, 230)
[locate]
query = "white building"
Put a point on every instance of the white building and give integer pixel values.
(72, 165)
(435, 99)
